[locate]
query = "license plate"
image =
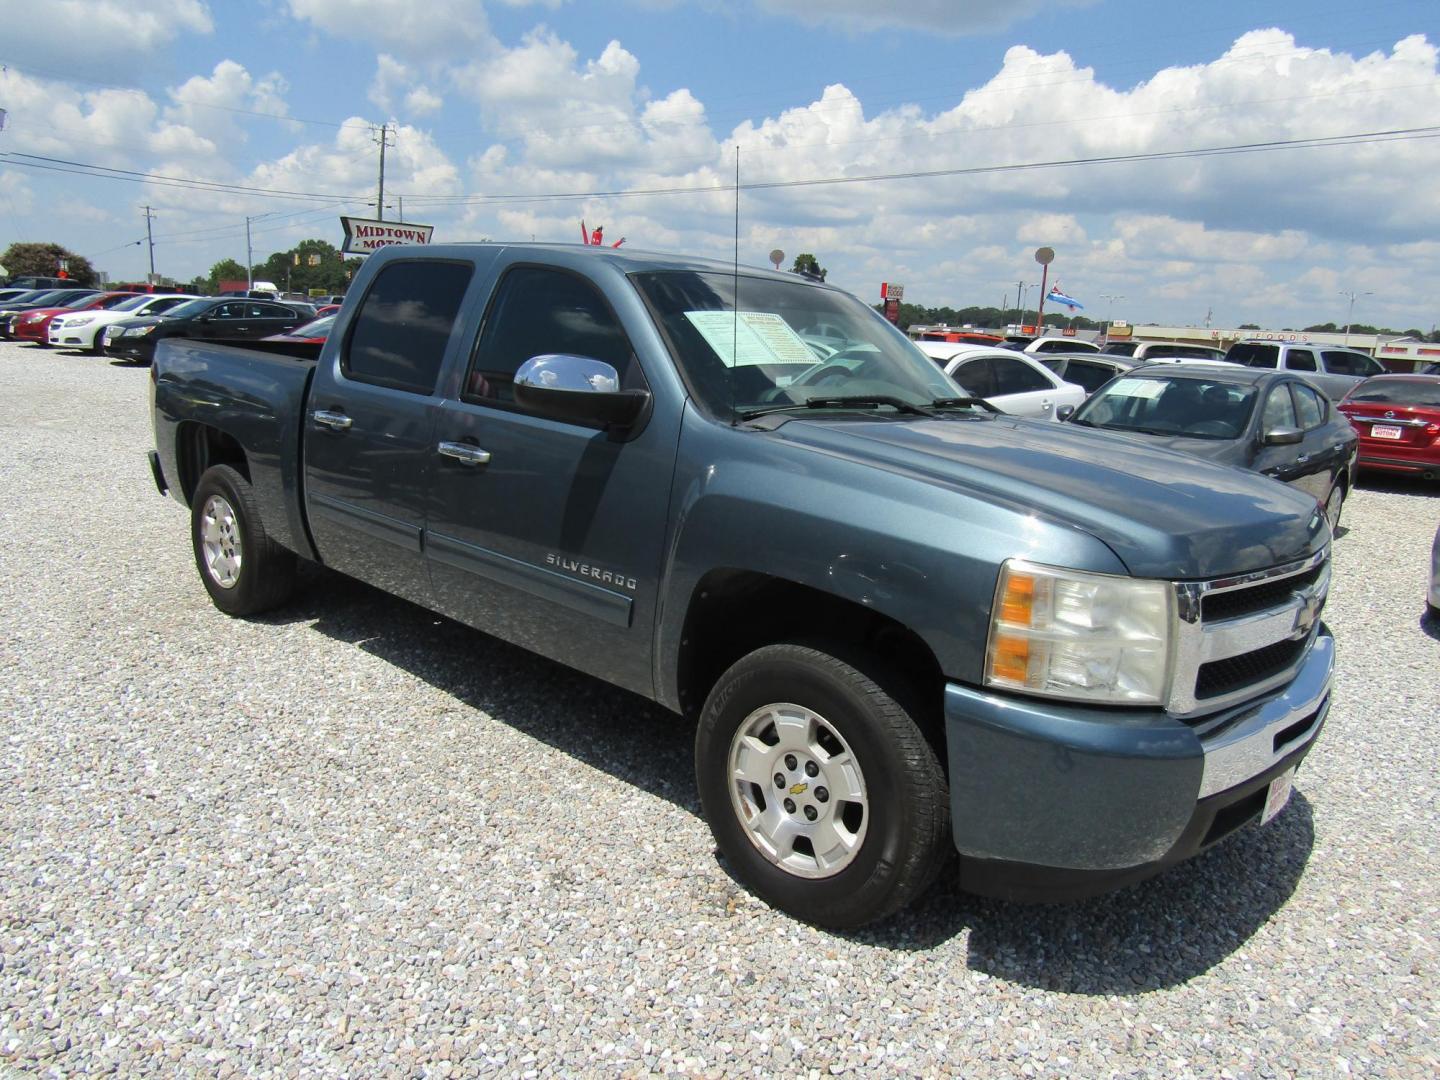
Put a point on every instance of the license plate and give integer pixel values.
(1278, 795)
(1385, 431)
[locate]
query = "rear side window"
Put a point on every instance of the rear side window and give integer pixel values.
(1350, 363)
(1017, 377)
(1121, 348)
(539, 310)
(1252, 355)
(400, 332)
(1300, 360)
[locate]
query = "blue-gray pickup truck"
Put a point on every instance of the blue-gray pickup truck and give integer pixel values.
(901, 622)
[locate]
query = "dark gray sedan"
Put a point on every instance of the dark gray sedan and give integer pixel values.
(1271, 422)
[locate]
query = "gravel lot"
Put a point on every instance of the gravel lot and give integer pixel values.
(356, 839)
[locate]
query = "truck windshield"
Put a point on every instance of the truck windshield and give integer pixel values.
(784, 344)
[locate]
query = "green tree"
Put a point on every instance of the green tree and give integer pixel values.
(1248, 326)
(310, 264)
(43, 260)
(805, 263)
(225, 270)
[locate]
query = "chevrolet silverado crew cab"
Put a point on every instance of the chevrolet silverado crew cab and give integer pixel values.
(901, 622)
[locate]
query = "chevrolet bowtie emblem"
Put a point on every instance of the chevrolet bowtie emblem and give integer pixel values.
(798, 789)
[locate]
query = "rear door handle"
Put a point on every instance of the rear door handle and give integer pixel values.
(464, 453)
(336, 420)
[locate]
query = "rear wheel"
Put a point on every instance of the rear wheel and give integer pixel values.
(1334, 504)
(244, 571)
(822, 792)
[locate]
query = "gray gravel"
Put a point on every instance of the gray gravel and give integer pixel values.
(356, 839)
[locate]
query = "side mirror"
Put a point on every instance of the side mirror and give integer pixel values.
(577, 388)
(1282, 436)
(1064, 412)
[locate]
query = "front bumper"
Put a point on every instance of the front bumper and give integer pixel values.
(123, 348)
(1052, 801)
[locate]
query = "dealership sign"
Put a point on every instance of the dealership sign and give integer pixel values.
(362, 236)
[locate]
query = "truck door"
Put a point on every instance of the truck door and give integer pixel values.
(543, 531)
(369, 425)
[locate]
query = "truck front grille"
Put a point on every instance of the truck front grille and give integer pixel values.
(1242, 635)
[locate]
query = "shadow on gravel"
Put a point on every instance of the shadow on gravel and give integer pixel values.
(1398, 484)
(610, 729)
(1159, 933)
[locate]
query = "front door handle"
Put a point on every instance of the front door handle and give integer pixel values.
(337, 420)
(464, 453)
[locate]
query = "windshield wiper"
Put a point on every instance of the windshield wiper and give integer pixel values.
(857, 402)
(963, 403)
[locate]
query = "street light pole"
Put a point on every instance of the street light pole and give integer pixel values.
(1110, 309)
(1350, 315)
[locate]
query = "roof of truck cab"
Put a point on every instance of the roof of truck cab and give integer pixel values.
(626, 260)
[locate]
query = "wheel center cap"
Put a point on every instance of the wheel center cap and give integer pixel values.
(798, 789)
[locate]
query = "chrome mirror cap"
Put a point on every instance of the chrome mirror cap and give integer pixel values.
(564, 371)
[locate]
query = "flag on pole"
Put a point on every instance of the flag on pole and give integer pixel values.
(1055, 296)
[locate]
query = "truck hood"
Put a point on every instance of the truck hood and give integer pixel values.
(1164, 514)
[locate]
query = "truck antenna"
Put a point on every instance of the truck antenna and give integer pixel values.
(735, 328)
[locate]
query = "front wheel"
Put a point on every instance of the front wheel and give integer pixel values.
(821, 790)
(243, 570)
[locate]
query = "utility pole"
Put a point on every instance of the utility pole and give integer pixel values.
(150, 237)
(249, 259)
(1350, 315)
(1020, 312)
(383, 137)
(400, 202)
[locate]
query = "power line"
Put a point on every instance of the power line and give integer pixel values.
(1352, 139)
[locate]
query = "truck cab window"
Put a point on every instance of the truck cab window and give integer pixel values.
(537, 311)
(404, 323)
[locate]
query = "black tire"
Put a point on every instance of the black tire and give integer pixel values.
(1334, 503)
(264, 575)
(906, 806)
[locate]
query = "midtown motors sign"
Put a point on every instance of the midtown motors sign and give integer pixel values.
(362, 236)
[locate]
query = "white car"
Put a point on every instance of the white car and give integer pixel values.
(1059, 344)
(1013, 382)
(86, 329)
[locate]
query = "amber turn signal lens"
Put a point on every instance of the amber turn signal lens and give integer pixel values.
(1011, 660)
(1018, 601)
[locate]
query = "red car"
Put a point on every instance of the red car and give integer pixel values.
(1398, 420)
(313, 333)
(34, 326)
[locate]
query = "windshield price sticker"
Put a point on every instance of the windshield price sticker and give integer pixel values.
(764, 338)
(1137, 388)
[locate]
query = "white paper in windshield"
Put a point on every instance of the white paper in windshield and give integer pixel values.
(1137, 388)
(763, 338)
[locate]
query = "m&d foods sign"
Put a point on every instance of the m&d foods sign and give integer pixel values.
(362, 236)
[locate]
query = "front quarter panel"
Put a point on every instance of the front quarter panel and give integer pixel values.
(923, 554)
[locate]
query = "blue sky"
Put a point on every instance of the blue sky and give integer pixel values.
(502, 105)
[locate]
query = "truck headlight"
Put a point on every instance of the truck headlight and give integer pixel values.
(1087, 637)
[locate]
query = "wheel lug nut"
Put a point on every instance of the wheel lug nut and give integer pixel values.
(789, 806)
(810, 813)
(790, 762)
(811, 769)
(779, 780)
(822, 794)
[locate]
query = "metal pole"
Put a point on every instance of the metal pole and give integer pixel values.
(1040, 313)
(400, 204)
(150, 236)
(380, 191)
(249, 259)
